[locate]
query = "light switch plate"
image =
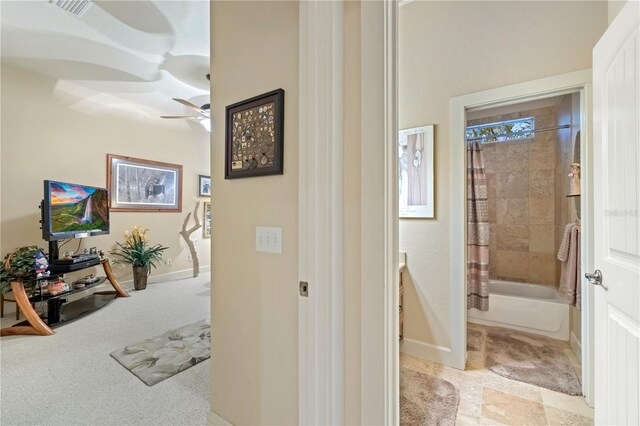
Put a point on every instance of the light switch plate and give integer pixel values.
(268, 239)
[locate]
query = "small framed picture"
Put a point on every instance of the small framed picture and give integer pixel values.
(206, 220)
(415, 172)
(254, 139)
(204, 186)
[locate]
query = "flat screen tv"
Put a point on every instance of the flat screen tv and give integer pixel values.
(72, 210)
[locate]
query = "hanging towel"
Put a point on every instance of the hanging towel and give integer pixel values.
(569, 255)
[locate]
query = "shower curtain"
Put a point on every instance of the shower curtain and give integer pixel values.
(477, 230)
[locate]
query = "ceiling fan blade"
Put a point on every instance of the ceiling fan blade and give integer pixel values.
(177, 116)
(189, 105)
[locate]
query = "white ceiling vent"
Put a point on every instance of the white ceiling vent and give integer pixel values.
(77, 7)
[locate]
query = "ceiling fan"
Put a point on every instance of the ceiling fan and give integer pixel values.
(205, 112)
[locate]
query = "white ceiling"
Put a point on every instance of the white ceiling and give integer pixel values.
(119, 56)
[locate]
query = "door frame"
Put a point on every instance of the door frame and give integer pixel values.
(321, 235)
(321, 211)
(579, 81)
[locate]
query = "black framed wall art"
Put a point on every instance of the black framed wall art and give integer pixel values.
(254, 140)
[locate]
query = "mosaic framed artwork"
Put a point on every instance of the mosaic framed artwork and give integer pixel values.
(415, 172)
(254, 139)
(138, 185)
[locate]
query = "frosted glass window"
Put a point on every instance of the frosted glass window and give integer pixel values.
(502, 131)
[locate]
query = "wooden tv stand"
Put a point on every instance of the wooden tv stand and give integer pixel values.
(35, 325)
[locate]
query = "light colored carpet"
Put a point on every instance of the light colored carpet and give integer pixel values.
(426, 400)
(158, 358)
(532, 359)
(69, 379)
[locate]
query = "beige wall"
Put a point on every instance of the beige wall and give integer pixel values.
(444, 52)
(254, 365)
(46, 134)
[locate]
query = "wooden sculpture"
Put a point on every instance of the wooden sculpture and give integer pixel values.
(186, 233)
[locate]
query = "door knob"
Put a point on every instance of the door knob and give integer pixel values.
(595, 278)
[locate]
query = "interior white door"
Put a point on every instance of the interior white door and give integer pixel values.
(616, 69)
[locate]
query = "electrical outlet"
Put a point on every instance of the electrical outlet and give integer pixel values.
(168, 261)
(190, 258)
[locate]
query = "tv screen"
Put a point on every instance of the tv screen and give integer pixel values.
(73, 211)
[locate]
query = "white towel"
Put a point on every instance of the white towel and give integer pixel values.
(569, 254)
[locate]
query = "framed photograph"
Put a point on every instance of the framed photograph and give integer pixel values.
(206, 222)
(137, 185)
(204, 186)
(415, 172)
(254, 139)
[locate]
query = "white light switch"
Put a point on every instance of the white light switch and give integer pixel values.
(268, 239)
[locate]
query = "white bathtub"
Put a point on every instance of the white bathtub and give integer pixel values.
(533, 308)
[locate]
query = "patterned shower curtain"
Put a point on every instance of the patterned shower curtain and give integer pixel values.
(477, 230)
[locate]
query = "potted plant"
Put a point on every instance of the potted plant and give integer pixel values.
(137, 252)
(23, 264)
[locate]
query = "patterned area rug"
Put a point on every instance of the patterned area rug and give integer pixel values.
(159, 358)
(427, 400)
(532, 359)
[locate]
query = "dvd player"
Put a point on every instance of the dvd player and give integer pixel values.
(59, 268)
(79, 258)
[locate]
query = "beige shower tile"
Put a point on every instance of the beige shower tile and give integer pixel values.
(510, 409)
(517, 157)
(512, 211)
(541, 211)
(512, 265)
(542, 268)
(512, 184)
(541, 160)
(541, 239)
(493, 236)
(513, 237)
(541, 184)
(556, 416)
(492, 205)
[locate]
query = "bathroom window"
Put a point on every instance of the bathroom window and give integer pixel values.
(502, 131)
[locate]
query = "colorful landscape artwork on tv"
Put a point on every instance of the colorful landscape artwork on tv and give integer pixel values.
(77, 208)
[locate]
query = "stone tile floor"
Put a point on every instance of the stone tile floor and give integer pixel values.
(489, 399)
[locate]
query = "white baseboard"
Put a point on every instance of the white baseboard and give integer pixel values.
(576, 346)
(176, 275)
(160, 278)
(439, 354)
(216, 420)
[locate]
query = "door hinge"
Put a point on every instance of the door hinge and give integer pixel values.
(304, 289)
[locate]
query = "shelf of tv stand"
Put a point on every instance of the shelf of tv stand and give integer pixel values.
(58, 310)
(45, 297)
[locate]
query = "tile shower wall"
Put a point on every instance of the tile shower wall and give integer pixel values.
(522, 196)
